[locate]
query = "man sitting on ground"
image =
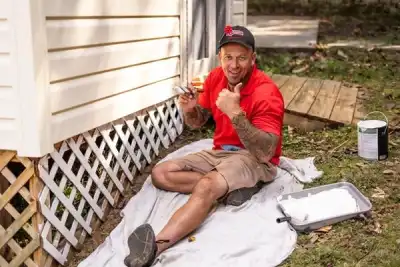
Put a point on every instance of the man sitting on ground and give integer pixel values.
(248, 111)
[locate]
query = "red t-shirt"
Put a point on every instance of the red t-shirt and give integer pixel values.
(260, 98)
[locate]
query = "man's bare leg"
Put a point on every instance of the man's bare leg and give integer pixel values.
(169, 176)
(191, 215)
(144, 247)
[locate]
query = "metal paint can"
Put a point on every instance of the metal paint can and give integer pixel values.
(373, 138)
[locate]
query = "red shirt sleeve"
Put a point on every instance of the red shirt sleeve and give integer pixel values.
(204, 99)
(269, 111)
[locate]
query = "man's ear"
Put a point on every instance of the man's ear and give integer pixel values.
(253, 58)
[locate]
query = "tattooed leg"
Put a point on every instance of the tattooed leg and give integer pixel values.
(197, 117)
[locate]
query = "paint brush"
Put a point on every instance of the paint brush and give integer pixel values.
(185, 90)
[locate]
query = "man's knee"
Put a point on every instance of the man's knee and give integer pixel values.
(159, 174)
(211, 187)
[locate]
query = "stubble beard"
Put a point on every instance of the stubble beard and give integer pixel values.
(243, 80)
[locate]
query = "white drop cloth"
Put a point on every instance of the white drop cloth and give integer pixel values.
(242, 236)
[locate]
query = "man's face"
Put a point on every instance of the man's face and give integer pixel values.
(236, 61)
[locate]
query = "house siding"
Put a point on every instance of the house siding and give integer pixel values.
(8, 100)
(108, 59)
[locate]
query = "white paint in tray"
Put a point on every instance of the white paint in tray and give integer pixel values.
(320, 206)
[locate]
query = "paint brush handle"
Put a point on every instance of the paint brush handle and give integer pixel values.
(186, 90)
(283, 219)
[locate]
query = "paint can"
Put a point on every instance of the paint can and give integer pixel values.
(373, 138)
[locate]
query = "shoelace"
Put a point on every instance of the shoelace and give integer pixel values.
(162, 241)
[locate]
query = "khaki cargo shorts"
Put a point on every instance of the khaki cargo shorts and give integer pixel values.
(239, 168)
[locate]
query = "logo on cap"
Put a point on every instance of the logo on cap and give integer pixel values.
(230, 32)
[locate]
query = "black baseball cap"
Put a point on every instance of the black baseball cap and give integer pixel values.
(237, 34)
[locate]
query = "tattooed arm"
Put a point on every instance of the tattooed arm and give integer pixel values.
(197, 117)
(259, 143)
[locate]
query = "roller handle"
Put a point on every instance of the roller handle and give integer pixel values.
(283, 219)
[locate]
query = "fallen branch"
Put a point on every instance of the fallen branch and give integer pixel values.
(339, 146)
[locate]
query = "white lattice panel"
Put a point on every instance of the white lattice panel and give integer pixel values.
(88, 173)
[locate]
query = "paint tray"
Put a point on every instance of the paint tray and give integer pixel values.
(364, 207)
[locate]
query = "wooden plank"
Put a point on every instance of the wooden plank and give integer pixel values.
(5, 158)
(326, 98)
(80, 8)
(280, 80)
(6, 70)
(36, 186)
(92, 88)
(3, 262)
(10, 177)
(345, 104)
(25, 253)
(15, 214)
(302, 123)
(9, 136)
(5, 36)
(68, 64)
(17, 250)
(291, 87)
(85, 118)
(306, 96)
(6, 235)
(84, 32)
(13, 189)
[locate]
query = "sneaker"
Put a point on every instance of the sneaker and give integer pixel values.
(142, 247)
(241, 195)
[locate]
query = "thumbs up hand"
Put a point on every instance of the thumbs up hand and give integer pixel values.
(229, 102)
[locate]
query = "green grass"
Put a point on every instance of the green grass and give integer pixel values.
(358, 242)
(371, 242)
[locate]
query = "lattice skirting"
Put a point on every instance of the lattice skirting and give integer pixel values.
(79, 183)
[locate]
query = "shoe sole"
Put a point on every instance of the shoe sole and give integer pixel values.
(142, 247)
